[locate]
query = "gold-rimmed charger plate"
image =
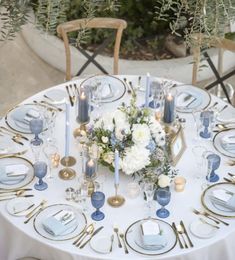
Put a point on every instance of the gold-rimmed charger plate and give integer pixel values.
(217, 142)
(201, 101)
(81, 222)
(14, 160)
(18, 125)
(210, 206)
(117, 86)
(133, 234)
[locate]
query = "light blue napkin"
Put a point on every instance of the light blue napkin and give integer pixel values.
(7, 179)
(56, 227)
(226, 200)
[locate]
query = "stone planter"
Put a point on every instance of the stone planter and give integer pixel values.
(51, 49)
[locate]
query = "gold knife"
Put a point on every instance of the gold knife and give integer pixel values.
(93, 234)
(186, 233)
(177, 235)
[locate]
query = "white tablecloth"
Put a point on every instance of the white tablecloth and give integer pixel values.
(18, 239)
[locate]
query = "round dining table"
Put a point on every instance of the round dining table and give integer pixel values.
(18, 239)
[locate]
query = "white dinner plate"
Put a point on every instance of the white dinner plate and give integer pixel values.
(202, 230)
(56, 96)
(210, 206)
(15, 117)
(51, 210)
(19, 207)
(227, 115)
(101, 244)
(14, 160)
(114, 88)
(217, 142)
(199, 98)
(133, 238)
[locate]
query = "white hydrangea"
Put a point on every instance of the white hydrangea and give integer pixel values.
(135, 159)
(157, 131)
(141, 134)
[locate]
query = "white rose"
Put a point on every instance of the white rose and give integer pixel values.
(141, 134)
(108, 157)
(157, 132)
(163, 181)
(119, 117)
(106, 122)
(104, 139)
(135, 159)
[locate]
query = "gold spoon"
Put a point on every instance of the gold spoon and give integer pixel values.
(181, 232)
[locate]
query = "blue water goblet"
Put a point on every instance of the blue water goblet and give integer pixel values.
(206, 118)
(97, 201)
(40, 171)
(36, 127)
(163, 198)
(213, 164)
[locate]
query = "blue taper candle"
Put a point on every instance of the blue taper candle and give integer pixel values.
(67, 129)
(169, 109)
(116, 166)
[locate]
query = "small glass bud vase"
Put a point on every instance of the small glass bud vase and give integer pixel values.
(84, 105)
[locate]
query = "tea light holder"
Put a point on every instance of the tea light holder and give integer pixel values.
(133, 190)
(179, 183)
(116, 200)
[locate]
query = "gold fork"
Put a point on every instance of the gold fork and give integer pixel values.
(32, 211)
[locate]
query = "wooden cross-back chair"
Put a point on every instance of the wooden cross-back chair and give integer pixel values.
(106, 23)
(222, 44)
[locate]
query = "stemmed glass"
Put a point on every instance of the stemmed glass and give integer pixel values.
(50, 117)
(158, 95)
(36, 127)
(196, 117)
(198, 152)
(40, 171)
(51, 152)
(97, 201)
(163, 198)
(96, 92)
(148, 189)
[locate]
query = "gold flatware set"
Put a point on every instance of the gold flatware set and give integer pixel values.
(35, 211)
(182, 235)
(88, 233)
(72, 92)
(11, 194)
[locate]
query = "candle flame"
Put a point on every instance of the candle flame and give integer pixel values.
(83, 96)
(90, 163)
(169, 96)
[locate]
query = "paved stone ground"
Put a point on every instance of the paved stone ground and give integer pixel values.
(22, 73)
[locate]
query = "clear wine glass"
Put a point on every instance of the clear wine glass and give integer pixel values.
(97, 201)
(148, 189)
(40, 171)
(51, 153)
(163, 198)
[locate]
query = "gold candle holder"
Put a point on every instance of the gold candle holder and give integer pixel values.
(80, 131)
(116, 200)
(68, 161)
(67, 173)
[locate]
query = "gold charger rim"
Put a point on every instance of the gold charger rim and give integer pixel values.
(206, 207)
(25, 159)
(216, 136)
(108, 76)
(147, 253)
(19, 105)
(59, 240)
(202, 90)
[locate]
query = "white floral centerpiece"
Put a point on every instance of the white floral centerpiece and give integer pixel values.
(136, 134)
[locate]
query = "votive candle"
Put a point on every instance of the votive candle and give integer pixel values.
(147, 90)
(67, 128)
(90, 168)
(83, 107)
(116, 166)
(169, 109)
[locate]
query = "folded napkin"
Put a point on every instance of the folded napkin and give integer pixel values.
(106, 91)
(25, 114)
(228, 142)
(151, 236)
(185, 99)
(223, 198)
(60, 223)
(13, 173)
